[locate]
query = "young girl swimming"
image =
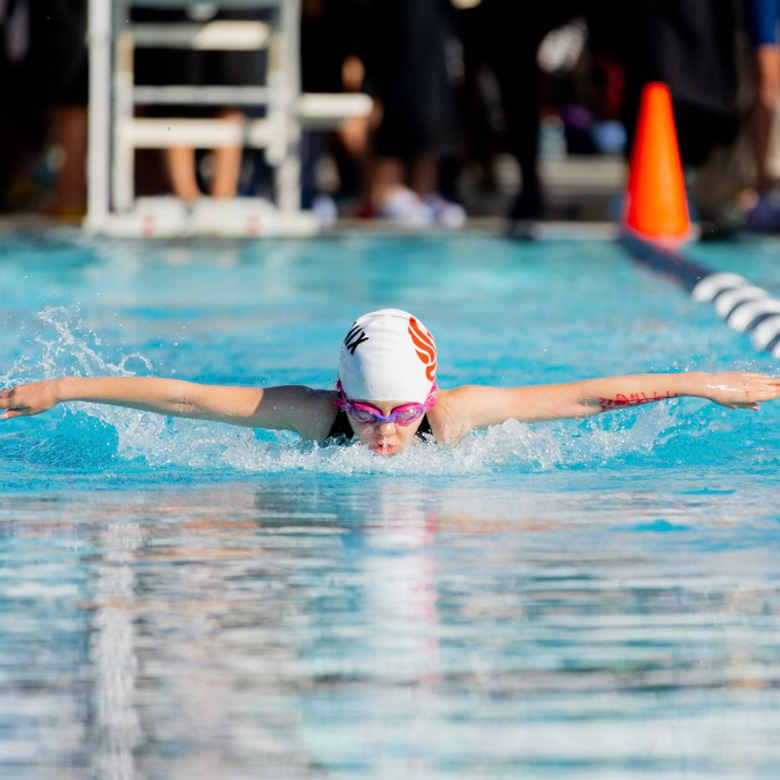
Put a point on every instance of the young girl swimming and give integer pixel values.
(386, 395)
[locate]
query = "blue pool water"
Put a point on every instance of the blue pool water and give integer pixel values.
(181, 599)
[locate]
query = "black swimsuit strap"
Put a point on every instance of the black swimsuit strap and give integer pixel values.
(341, 429)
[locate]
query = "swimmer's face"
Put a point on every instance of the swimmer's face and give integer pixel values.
(384, 438)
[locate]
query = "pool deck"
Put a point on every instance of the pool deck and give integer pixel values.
(583, 195)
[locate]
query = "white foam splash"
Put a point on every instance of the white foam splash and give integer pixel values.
(509, 447)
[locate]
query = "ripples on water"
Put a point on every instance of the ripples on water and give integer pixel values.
(179, 599)
(375, 627)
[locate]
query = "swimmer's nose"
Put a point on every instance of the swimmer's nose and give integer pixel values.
(386, 427)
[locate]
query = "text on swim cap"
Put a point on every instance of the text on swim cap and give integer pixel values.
(355, 337)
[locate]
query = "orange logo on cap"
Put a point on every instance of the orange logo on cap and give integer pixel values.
(426, 347)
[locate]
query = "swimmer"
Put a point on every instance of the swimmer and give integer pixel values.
(386, 395)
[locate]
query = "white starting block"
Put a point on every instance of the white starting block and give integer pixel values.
(170, 217)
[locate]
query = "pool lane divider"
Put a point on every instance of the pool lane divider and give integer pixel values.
(656, 223)
(745, 307)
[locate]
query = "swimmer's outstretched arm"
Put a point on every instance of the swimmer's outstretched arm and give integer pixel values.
(482, 406)
(292, 407)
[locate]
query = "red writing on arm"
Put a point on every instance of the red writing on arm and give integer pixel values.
(633, 399)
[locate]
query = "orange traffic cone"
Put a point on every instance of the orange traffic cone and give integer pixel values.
(656, 206)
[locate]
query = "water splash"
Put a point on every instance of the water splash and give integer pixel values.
(69, 351)
(88, 437)
(507, 448)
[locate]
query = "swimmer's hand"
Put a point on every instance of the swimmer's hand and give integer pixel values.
(30, 399)
(739, 390)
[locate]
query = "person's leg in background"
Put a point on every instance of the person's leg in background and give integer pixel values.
(762, 211)
(59, 29)
(181, 172)
(332, 33)
(761, 22)
(767, 88)
(511, 33)
(227, 161)
(410, 67)
(70, 124)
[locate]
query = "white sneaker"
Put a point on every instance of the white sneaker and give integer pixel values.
(325, 209)
(406, 208)
(446, 213)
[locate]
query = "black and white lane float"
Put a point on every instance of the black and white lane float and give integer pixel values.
(744, 306)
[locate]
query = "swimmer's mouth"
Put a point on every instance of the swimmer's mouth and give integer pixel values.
(383, 448)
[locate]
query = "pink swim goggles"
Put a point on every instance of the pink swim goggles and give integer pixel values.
(366, 414)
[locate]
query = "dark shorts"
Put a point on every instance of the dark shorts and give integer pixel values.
(409, 68)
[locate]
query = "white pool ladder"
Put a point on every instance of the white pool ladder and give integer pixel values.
(116, 132)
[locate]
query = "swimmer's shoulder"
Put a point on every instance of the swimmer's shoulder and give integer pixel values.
(319, 416)
(449, 419)
(323, 415)
(466, 408)
(310, 411)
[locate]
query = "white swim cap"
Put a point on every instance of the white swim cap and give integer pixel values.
(388, 355)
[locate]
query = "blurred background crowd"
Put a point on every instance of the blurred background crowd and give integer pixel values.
(469, 97)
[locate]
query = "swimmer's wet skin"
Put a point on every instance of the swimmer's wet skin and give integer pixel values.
(388, 393)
